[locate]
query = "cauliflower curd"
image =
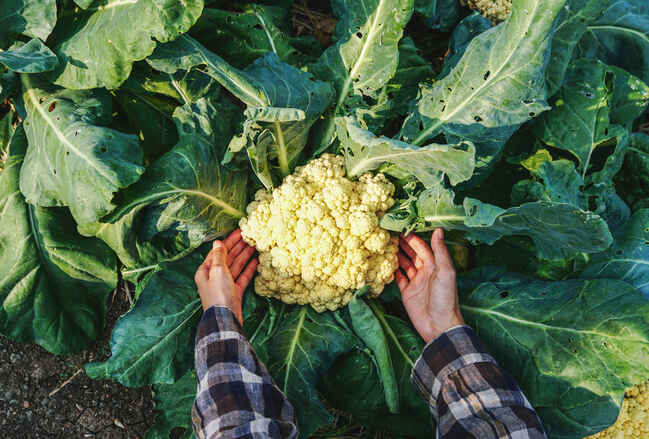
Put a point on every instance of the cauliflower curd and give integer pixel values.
(318, 235)
(494, 10)
(633, 420)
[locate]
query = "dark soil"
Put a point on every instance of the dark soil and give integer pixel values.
(82, 408)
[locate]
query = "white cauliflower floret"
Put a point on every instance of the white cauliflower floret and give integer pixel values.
(494, 10)
(633, 420)
(318, 235)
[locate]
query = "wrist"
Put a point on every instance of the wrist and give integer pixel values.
(440, 324)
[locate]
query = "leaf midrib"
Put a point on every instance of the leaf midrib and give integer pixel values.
(292, 347)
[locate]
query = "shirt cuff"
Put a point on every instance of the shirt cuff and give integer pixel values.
(453, 350)
(217, 319)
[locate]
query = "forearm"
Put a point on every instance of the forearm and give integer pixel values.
(469, 394)
(236, 396)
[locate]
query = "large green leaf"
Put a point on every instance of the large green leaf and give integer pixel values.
(580, 119)
(174, 402)
(98, 45)
(154, 342)
(302, 350)
(354, 385)
(34, 18)
(366, 54)
(429, 164)
(620, 37)
(572, 24)
(368, 328)
(54, 284)
(574, 346)
(628, 257)
(185, 197)
(33, 57)
(283, 102)
(73, 160)
(633, 181)
(498, 84)
(242, 37)
(469, 28)
(441, 15)
(559, 230)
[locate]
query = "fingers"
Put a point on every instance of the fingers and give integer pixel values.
(402, 280)
(421, 249)
(232, 239)
(442, 256)
(247, 274)
(410, 252)
(216, 258)
(407, 265)
(234, 251)
(240, 261)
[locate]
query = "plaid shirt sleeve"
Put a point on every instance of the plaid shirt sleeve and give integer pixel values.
(236, 396)
(470, 396)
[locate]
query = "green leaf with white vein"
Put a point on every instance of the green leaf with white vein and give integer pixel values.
(574, 346)
(93, 53)
(628, 257)
(620, 37)
(559, 230)
(498, 84)
(173, 404)
(283, 102)
(366, 54)
(154, 342)
(302, 350)
(54, 284)
(34, 18)
(183, 199)
(365, 152)
(33, 57)
(73, 160)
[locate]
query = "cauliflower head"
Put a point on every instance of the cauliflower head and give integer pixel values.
(318, 235)
(633, 420)
(494, 10)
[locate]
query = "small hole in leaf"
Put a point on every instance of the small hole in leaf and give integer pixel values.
(486, 75)
(103, 149)
(449, 89)
(528, 101)
(532, 114)
(52, 107)
(359, 34)
(504, 294)
(54, 170)
(257, 26)
(477, 118)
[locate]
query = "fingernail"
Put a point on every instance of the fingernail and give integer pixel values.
(217, 244)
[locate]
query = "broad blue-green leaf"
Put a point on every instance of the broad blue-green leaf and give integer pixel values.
(174, 402)
(184, 198)
(54, 284)
(394, 98)
(353, 384)
(154, 342)
(302, 350)
(630, 97)
(186, 87)
(73, 160)
(633, 181)
(365, 56)
(498, 84)
(441, 15)
(98, 45)
(283, 102)
(628, 257)
(7, 129)
(33, 57)
(464, 32)
(579, 120)
(365, 152)
(620, 37)
(368, 328)
(242, 37)
(571, 25)
(561, 184)
(34, 18)
(559, 230)
(574, 346)
(8, 84)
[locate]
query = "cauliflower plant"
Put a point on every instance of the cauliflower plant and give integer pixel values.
(633, 420)
(318, 235)
(494, 10)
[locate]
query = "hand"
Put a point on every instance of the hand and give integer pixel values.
(427, 282)
(228, 260)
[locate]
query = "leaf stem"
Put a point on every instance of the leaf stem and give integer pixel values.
(378, 312)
